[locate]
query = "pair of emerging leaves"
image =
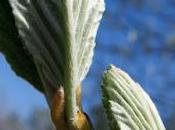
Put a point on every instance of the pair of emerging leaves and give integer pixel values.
(57, 41)
(50, 44)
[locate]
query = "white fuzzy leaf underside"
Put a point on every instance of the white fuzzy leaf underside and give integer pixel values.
(127, 105)
(60, 36)
(58, 33)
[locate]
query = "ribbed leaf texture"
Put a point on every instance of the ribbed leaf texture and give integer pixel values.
(60, 36)
(127, 105)
(12, 48)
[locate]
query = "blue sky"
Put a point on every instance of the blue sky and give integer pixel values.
(15, 93)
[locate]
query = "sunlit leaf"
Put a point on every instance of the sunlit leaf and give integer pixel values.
(127, 105)
(60, 36)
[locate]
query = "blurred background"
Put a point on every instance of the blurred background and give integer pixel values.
(135, 35)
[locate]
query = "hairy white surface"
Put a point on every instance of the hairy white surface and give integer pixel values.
(60, 36)
(128, 106)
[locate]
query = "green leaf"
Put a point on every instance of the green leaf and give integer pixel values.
(12, 48)
(127, 105)
(60, 36)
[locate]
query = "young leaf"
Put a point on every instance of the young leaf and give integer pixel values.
(12, 48)
(127, 105)
(60, 36)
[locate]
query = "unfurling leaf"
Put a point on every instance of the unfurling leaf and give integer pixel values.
(60, 36)
(127, 105)
(12, 48)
